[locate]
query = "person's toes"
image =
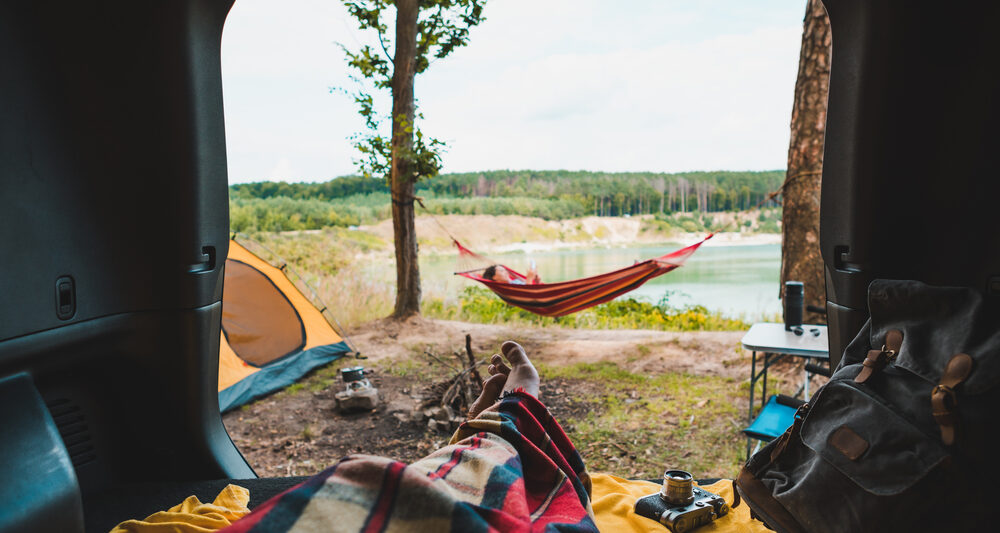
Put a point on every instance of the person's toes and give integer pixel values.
(522, 373)
(497, 362)
(515, 353)
(492, 388)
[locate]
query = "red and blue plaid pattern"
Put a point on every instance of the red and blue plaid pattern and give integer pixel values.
(511, 469)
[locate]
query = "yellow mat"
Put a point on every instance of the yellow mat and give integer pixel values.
(192, 516)
(614, 498)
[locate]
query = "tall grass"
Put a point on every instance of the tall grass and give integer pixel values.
(347, 269)
(354, 275)
(480, 305)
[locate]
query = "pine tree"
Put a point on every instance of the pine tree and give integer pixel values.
(800, 252)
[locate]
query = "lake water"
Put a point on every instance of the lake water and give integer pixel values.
(737, 280)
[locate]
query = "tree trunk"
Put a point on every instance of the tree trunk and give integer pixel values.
(800, 252)
(401, 174)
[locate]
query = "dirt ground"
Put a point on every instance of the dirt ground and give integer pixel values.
(716, 353)
(298, 431)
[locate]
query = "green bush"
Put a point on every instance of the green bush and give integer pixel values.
(548, 209)
(689, 226)
(280, 213)
(477, 304)
(284, 214)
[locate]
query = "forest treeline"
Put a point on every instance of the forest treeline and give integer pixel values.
(353, 200)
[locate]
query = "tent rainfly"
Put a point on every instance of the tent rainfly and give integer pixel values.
(272, 335)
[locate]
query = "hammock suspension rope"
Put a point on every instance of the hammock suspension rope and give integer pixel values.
(566, 297)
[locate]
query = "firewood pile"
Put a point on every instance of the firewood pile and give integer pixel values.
(446, 403)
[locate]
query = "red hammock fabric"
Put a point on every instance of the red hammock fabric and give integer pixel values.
(566, 297)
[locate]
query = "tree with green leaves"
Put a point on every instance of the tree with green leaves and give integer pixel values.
(424, 30)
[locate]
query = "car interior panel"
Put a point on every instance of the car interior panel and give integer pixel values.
(910, 152)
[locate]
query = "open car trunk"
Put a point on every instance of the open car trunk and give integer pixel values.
(909, 170)
(114, 233)
(113, 202)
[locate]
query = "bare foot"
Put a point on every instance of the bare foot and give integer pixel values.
(518, 369)
(519, 374)
(492, 388)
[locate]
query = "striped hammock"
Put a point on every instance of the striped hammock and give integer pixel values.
(566, 297)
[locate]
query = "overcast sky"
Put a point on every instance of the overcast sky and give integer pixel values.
(634, 85)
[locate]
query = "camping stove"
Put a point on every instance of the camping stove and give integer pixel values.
(359, 395)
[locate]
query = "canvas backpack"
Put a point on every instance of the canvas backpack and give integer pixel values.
(905, 436)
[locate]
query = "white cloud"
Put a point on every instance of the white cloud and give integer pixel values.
(283, 170)
(665, 86)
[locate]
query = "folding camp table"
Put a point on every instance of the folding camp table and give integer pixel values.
(775, 343)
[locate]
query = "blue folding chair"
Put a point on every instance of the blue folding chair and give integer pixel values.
(776, 416)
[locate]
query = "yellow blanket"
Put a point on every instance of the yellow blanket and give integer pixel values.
(613, 499)
(192, 516)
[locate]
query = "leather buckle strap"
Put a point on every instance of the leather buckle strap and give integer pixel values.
(799, 415)
(876, 360)
(944, 401)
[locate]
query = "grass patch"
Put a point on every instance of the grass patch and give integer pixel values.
(638, 425)
(319, 379)
(408, 368)
(477, 304)
(604, 372)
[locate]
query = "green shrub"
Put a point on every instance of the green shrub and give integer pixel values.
(285, 214)
(280, 213)
(477, 304)
(769, 226)
(689, 226)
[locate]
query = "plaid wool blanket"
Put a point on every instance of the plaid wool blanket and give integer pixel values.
(511, 469)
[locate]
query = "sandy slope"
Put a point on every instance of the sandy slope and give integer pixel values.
(507, 233)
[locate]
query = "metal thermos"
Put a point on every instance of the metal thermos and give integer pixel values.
(794, 302)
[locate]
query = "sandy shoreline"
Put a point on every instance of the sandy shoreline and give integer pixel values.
(684, 239)
(494, 234)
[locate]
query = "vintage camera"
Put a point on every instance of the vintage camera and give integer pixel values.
(680, 505)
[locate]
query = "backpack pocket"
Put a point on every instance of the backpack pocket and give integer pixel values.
(868, 442)
(852, 464)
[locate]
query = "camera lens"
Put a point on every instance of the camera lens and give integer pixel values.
(677, 487)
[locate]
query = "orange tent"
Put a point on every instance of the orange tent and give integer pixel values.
(272, 335)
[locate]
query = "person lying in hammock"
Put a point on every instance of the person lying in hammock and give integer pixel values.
(500, 274)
